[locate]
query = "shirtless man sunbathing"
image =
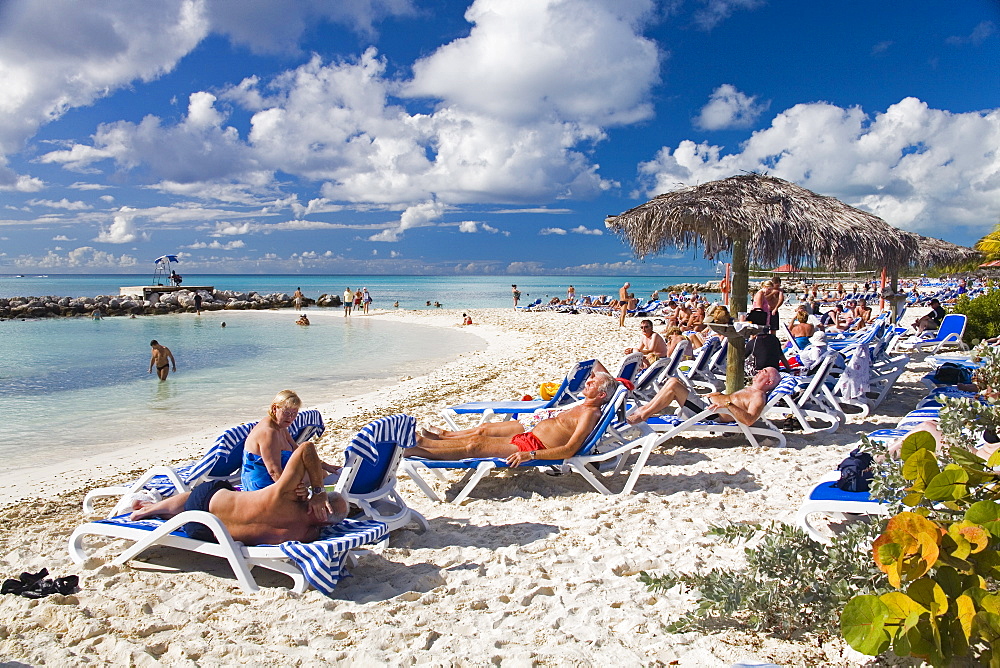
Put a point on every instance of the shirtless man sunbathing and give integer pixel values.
(744, 405)
(272, 515)
(556, 437)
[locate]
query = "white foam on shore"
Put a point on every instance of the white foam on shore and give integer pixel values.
(533, 569)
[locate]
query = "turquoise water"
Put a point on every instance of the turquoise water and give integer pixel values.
(76, 385)
(71, 386)
(412, 292)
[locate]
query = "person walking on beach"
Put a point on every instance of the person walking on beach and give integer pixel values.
(162, 358)
(623, 302)
(366, 299)
(516, 294)
(298, 299)
(348, 301)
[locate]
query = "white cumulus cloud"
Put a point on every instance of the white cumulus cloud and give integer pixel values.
(729, 108)
(122, 229)
(419, 215)
(580, 60)
(918, 168)
(61, 204)
(217, 245)
(473, 226)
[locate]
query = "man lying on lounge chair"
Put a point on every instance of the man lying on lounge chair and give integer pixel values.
(557, 436)
(745, 405)
(271, 515)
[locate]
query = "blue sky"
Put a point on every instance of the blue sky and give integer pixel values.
(494, 136)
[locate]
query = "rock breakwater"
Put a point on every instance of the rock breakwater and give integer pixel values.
(172, 302)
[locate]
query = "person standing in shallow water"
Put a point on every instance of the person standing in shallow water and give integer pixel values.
(298, 296)
(348, 301)
(516, 294)
(162, 358)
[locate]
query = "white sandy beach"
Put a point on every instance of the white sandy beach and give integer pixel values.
(533, 569)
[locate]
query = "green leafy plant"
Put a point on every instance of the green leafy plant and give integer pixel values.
(982, 315)
(940, 557)
(790, 582)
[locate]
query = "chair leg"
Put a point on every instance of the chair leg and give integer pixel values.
(482, 470)
(411, 469)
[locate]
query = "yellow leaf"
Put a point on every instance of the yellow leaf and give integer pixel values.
(966, 612)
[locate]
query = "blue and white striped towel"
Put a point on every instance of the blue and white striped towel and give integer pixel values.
(397, 428)
(322, 561)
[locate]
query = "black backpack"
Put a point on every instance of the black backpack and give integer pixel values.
(950, 373)
(757, 316)
(855, 472)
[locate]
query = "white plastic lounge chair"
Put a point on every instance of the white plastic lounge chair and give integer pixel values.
(606, 443)
(630, 367)
(320, 563)
(669, 426)
(369, 476)
(223, 461)
(825, 497)
(566, 394)
(810, 402)
(698, 374)
(653, 377)
(948, 335)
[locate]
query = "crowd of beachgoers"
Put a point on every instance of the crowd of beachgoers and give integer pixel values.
(533, 568)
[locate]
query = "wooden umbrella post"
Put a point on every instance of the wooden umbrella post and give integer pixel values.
(735, 374)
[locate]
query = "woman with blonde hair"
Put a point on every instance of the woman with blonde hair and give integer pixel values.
(269, 445)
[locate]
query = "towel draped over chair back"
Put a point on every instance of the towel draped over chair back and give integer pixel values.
(322, 561)
(375, 447)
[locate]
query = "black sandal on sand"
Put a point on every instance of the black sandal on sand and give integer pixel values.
(34, 585)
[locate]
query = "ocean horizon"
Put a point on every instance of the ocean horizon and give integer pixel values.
(412, 292)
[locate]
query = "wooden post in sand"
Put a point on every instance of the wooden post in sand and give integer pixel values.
(735, 374)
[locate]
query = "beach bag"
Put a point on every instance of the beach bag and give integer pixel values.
(757, 316)
(855, 472)
(950, 373)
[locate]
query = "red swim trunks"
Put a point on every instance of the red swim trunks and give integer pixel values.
(527, 442)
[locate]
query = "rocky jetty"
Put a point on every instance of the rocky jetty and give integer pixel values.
(171, 302)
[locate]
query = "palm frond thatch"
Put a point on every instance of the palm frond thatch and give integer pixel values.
(779, 221)
(937, 252)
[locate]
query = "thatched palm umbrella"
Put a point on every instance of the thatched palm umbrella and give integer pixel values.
(931, 251)
(765, 220)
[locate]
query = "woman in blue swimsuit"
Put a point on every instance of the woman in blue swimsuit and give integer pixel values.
(269, 446)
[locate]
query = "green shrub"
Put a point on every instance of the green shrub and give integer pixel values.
(941, 559)
(790, 583)
(982, 315)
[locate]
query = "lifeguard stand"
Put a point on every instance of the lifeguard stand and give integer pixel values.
(164, 271)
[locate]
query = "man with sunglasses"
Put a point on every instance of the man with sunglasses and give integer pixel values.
(651, 345)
